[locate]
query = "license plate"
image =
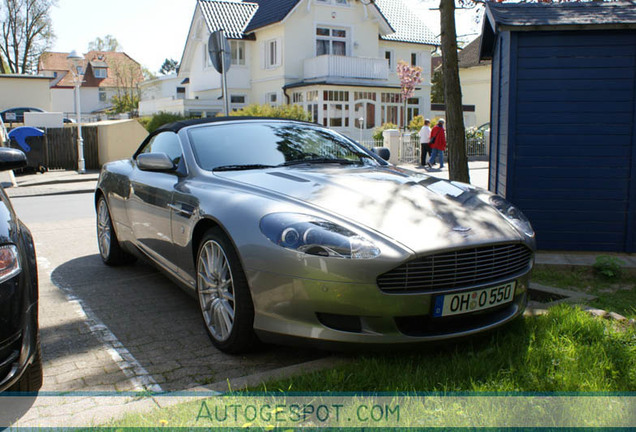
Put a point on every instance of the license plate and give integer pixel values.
(471, 301)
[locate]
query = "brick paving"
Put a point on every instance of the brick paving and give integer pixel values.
(120, 329)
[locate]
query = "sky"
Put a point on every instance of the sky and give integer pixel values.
(152, 30)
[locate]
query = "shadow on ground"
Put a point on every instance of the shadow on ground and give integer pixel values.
(159, 324)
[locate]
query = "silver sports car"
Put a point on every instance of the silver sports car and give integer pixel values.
(287, 231)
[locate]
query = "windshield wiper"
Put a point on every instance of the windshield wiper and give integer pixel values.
(241, 167)
(321, 161)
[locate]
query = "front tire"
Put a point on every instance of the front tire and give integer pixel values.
(31, 379)
(109, 248)
(224, 295)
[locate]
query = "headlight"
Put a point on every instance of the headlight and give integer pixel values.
(513, 214)
(9, 262)
(316, 236)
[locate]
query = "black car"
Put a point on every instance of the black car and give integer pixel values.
(16, 115)
(20, 355)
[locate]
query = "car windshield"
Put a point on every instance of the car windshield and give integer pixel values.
(255, 145)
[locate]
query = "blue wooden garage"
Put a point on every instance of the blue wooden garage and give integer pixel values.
(563, 120)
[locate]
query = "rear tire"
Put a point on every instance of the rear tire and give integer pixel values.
(224, 295)
(109, 248)
(31, 379)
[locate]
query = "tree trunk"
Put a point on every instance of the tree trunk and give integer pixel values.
(455, 131)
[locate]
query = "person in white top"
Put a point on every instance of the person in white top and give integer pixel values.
(425, 135)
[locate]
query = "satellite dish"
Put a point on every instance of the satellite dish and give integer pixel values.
(219, 46)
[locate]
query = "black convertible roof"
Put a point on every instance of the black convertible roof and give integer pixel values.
(177, 126)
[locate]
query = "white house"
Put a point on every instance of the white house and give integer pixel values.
(336, 58)
(474, 75)
(104, 74)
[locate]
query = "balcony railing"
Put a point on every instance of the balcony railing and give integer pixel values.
(333, 66)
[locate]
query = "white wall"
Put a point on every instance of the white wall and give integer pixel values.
(21, 91)
(475, 82)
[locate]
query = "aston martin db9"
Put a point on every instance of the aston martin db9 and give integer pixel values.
(285, 231)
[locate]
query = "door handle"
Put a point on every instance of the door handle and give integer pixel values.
(181, 210)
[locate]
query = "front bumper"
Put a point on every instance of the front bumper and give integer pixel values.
(18, 351)
(350, 313)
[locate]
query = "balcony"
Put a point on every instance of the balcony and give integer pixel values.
(342, 67)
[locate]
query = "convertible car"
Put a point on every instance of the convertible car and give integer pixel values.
(285, 231)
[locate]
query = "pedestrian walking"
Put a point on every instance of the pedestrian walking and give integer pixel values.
(438, 144)
(425, 148)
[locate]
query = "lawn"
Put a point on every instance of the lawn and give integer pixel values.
(617, 294)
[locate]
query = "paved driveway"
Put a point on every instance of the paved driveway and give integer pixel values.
(124, 328)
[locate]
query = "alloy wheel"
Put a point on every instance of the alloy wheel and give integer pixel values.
(216, 290)
(103, 229)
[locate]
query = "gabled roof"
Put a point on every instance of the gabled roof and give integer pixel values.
(229, 15)
(469, 56)
(596, 15)
(407, 25)
(270, 12)
(114, 61)
(239, 18)
(561, 14)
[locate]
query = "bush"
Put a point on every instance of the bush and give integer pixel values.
(609, 266)
(377, 132)
(293, 112)
(162, 118)
(417, 123)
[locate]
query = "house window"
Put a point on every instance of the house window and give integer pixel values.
(181, 93)
(272, 54)
(237, 48)
(102, 94)
(388, 55)
(271, 98)
(335, 110)
(413, 59)
(412, 108)
(100, 73)
(297, 97)
(237, 99)
(391, 108)
(312, 105)
(331, 41)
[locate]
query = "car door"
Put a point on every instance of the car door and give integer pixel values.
(149, 204)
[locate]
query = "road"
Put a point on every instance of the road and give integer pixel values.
(123, 328)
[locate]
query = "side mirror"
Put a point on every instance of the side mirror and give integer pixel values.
(11, 159)
(383, 152)
(155, 162)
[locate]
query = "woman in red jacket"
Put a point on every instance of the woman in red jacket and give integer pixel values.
(438, 144)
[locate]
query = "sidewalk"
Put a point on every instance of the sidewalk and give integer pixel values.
(50, 183)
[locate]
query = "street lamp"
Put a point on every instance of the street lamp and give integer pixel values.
(76, 60)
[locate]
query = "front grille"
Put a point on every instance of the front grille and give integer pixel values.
(458, 269)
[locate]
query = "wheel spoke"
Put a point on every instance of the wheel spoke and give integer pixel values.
(216, 291)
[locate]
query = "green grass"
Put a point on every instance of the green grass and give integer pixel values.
(616, 295)
(566, 350)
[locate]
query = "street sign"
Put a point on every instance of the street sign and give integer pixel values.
(218, 46)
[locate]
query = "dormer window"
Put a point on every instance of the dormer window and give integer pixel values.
(100, 72)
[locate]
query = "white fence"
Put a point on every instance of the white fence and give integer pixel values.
(410, 148)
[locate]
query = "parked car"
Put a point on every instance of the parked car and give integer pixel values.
(285, 231)
(16, 115)
(20, 355)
